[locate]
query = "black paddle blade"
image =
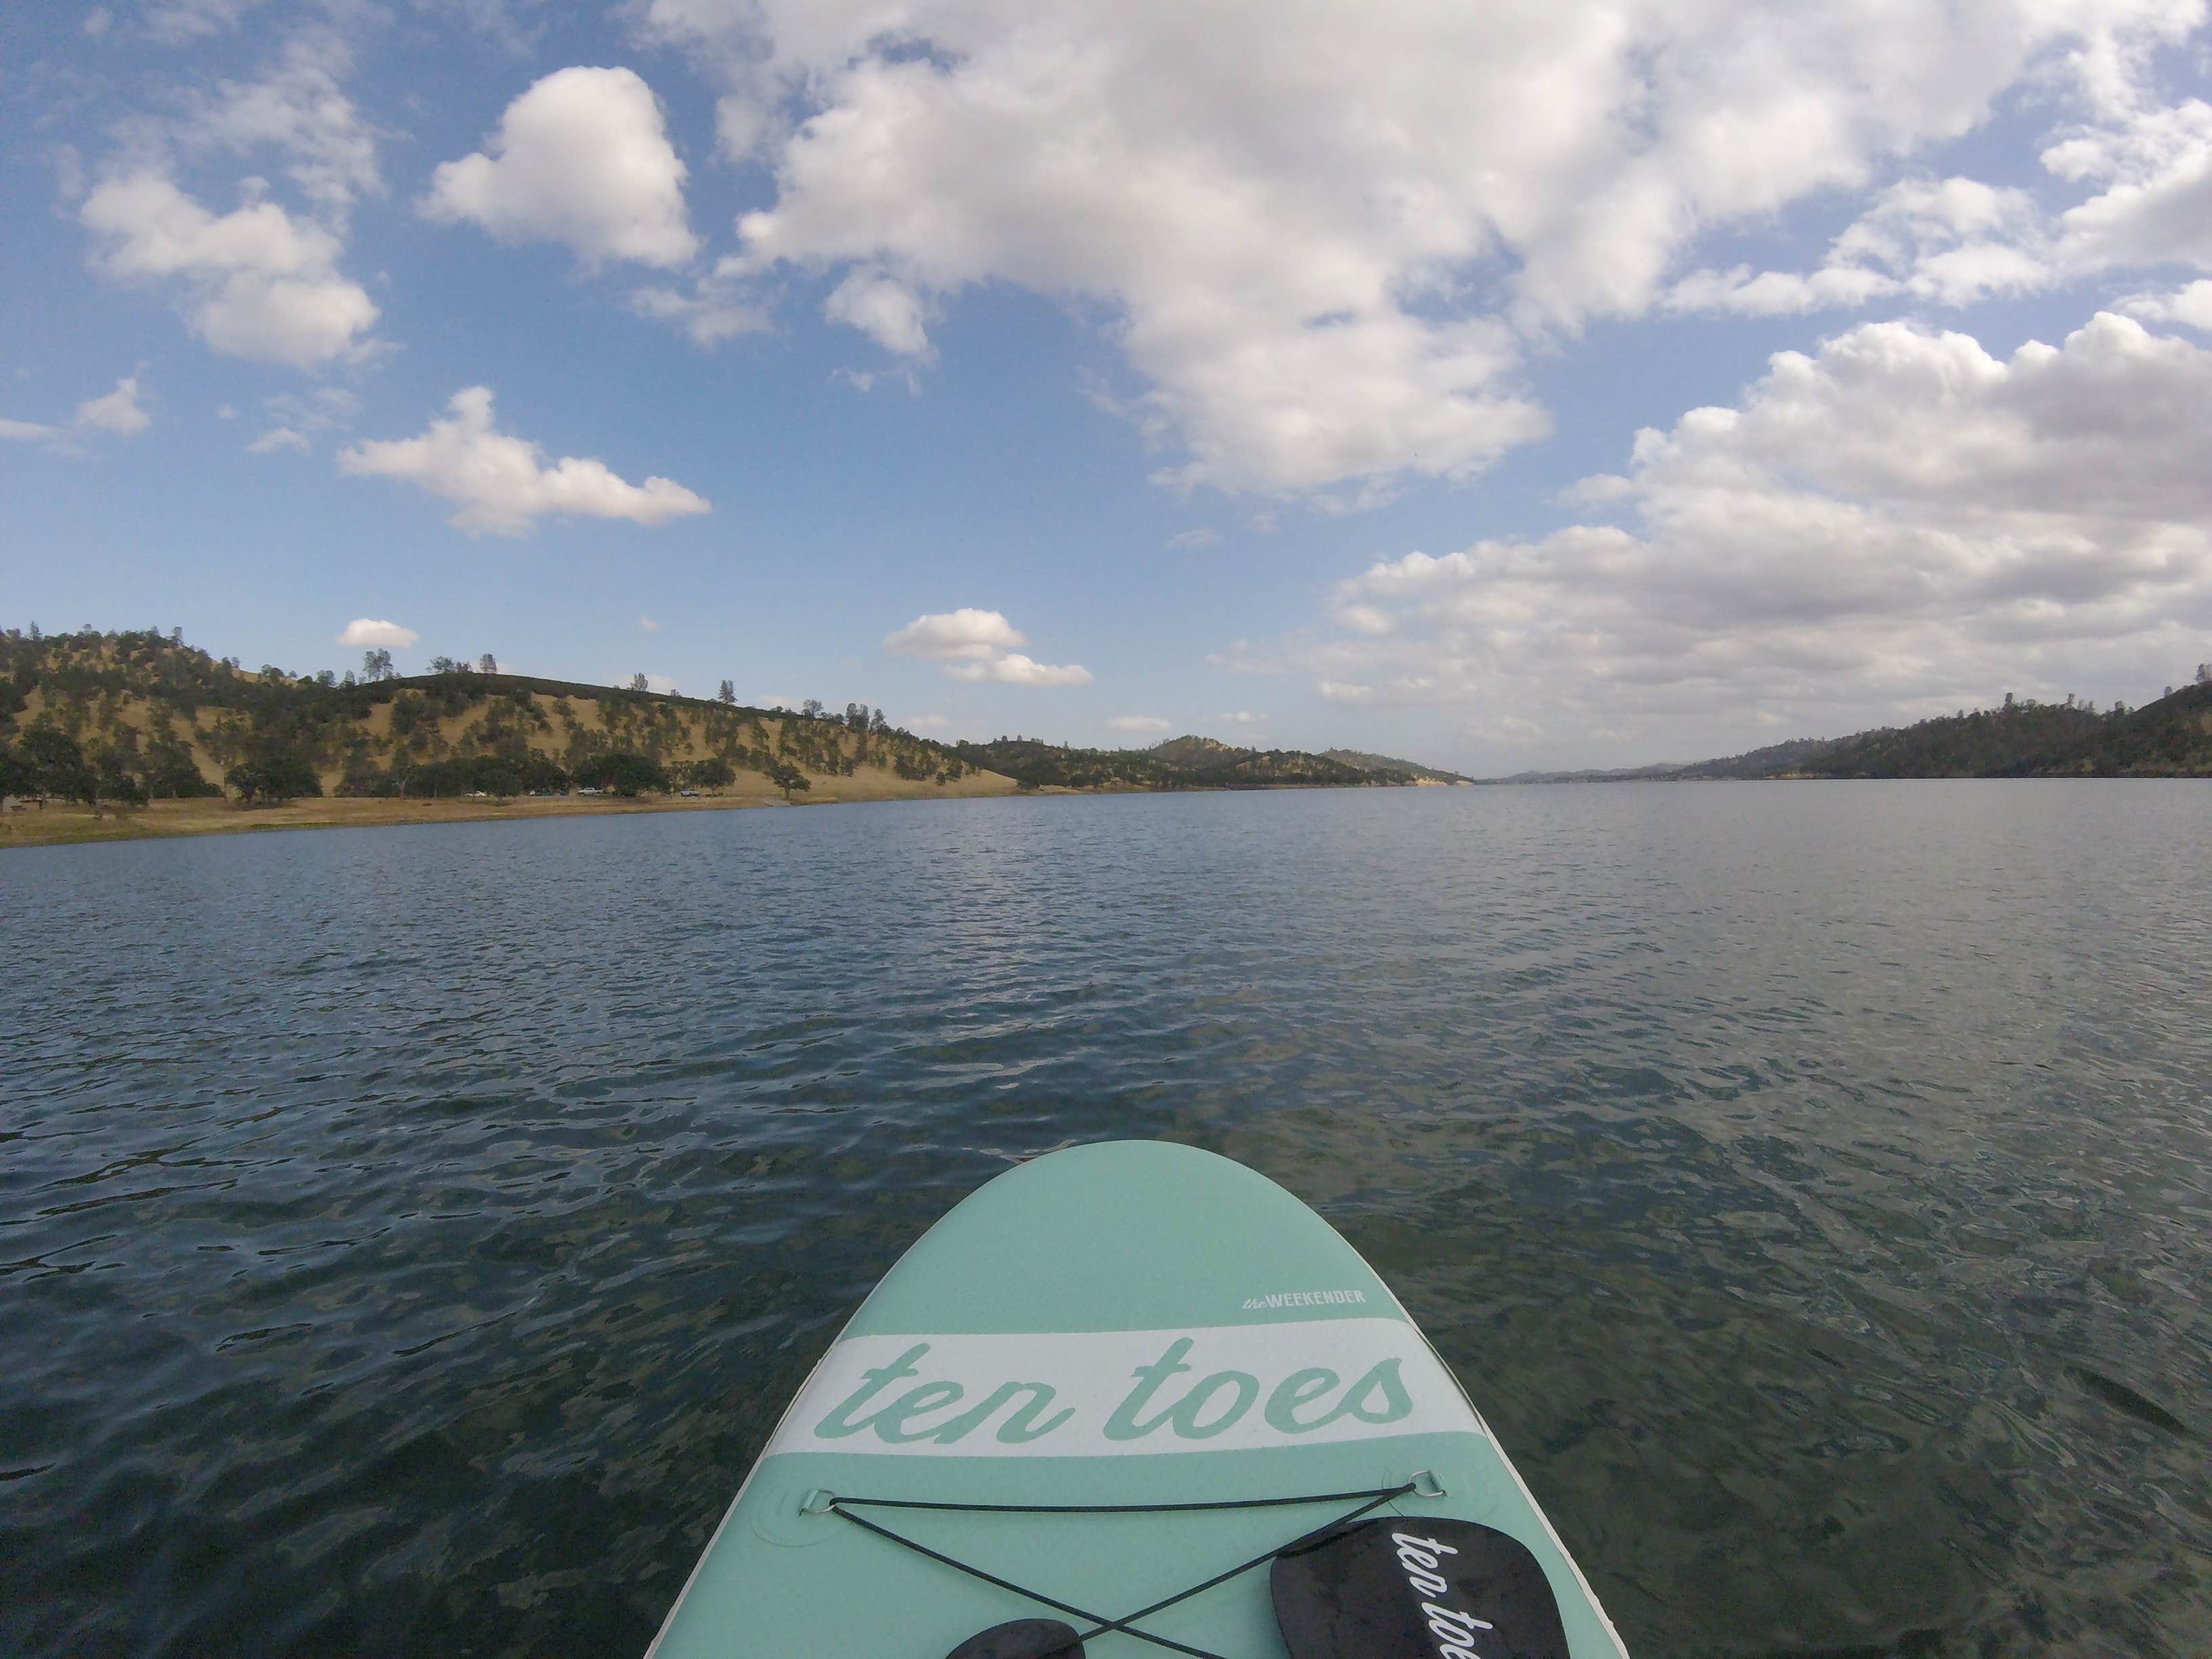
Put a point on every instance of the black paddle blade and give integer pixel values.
(1024, 1639)
(1413, 1586)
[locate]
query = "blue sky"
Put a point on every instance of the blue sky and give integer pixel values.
(1134, 369)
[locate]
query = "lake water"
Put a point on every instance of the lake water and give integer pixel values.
(408, 1236)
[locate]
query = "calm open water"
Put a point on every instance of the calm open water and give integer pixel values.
(408, 1236)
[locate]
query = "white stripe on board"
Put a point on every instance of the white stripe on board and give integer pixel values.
(1105, 1394)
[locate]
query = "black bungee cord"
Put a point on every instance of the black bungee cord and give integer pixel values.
(1375, 1498)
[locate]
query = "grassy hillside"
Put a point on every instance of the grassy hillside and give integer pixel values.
(1189, 762)
(135, 716)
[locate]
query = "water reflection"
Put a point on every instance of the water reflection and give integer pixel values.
(411, 1235)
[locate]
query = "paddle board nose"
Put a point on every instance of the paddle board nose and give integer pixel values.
(1111, 1374)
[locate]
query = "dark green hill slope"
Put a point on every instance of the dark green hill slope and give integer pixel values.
(1372, 762)
(1187, 763)
(1775, 760)
(2171, 738)
(2168, 738)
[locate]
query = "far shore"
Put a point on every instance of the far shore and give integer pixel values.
(61, 823)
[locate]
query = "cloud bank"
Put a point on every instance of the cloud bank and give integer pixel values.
(1324, 238)
(1875, 526)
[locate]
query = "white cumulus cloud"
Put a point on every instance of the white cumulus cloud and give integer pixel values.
(719, 307)
(963, 634)
(2190, 307)
(371, 631)
(117, 413)
(262, 283)
(887, 312)
(1950, 241)
(1137, 723)
(1956, 242)
(302, 109)
(582, 158)
(2156, 205)
(1015, 669)
(502, 484)
(979, 645)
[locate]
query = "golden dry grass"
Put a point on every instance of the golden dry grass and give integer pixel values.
(457, 734)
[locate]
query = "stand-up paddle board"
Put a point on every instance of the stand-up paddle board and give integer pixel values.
(1133, 1399)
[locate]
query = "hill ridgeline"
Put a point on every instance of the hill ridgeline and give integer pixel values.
(123, 718)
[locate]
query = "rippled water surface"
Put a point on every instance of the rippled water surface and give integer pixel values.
(408, 1236)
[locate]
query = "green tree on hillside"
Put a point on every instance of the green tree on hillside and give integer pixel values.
(788, 778)
(115, 779)
(729, 694)
(623, 772)
(713, 773)
(272, 778)
(54, 764)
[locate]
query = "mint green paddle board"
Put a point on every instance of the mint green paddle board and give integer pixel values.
(1089, 1340)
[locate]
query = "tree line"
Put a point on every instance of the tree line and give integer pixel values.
(1179, 763)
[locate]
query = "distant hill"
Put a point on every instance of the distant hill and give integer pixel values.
(1186, 762)
(1198, 754)
(1608, 775)
(132, 716)
(2169, 737)
(1361, 758)
(1777, 760)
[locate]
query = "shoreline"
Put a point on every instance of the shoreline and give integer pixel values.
(69, 825)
